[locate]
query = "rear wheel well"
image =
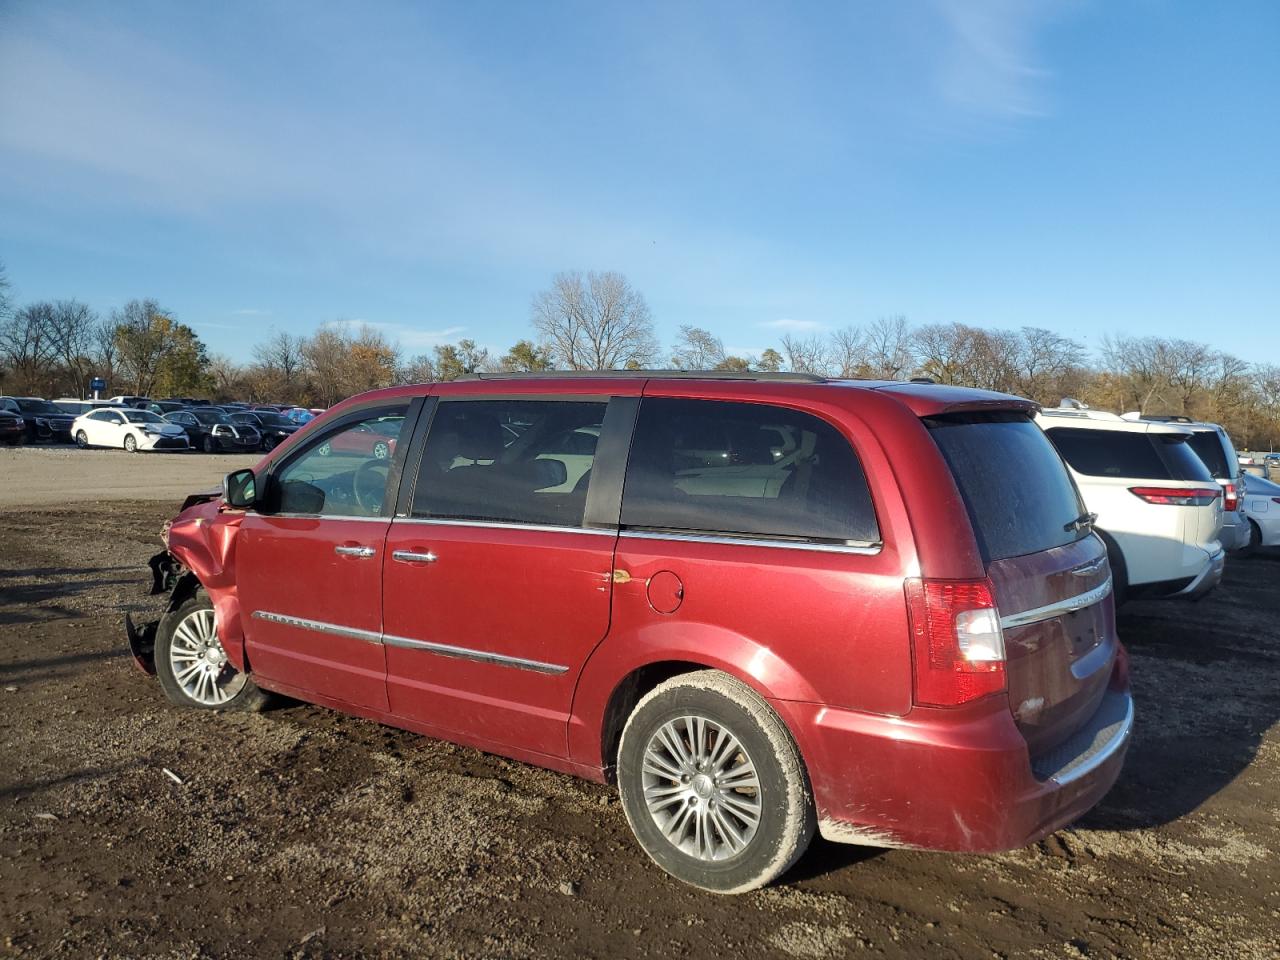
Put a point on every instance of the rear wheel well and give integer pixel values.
(1119, 569)
(623, 700)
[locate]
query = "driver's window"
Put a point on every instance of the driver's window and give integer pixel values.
(345, 474)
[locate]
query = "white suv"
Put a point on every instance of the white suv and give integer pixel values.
(1214, 447)
(1159, 510)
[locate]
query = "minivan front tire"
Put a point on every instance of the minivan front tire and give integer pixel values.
(713, 785)
(192, 666)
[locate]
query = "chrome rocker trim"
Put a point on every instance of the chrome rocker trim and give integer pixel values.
(442, 649)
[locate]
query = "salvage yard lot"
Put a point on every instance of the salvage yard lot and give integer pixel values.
(300, 832)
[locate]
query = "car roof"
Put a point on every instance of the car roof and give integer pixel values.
(924, 399)
(1102, 420)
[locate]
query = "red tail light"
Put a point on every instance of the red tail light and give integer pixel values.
(1230, 497)
(957, 643)
(1178, 496)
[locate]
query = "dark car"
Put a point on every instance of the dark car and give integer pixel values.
(166, 407)
(13, 429)
(274, 427)
(44, 420)
(211, 431)
(781, 606)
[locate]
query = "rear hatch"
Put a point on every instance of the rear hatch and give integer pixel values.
(1049, 573)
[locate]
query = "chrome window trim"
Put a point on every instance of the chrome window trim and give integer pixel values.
(505, 525)
(864, 550)
(321, 516)
(1051, 610)
(442, 649)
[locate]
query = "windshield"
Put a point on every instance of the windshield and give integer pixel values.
(273, 419)
(1020, 497)
(140, 416)
(37, 406)
(209, 417)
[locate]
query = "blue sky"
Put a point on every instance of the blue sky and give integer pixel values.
(753, 168)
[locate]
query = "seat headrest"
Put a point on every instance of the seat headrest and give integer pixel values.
(479, 436)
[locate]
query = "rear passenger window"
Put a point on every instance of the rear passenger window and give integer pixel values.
(509, 461)
(1109, 453)
(744, 469)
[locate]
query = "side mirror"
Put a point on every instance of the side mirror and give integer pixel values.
(239, 489)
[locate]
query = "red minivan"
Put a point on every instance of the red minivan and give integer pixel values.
(763, 605)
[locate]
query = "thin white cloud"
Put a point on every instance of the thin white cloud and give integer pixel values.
(989, 62)
(791, 325)
(411, 337)
(250, 312)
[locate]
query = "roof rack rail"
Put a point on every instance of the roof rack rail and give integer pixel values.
(655, 374)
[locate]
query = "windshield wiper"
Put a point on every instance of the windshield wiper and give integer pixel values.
(1084, 522)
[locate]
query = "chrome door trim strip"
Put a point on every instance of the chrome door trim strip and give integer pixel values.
(443, 649)
(1051, 610)
(503, 525)
(319, 626)
(480, 656)
(865, 550)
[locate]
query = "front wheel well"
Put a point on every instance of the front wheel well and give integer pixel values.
(624, 698)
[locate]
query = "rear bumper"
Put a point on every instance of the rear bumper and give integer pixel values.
(1208, 578)
(1235, 531)
(957, 780)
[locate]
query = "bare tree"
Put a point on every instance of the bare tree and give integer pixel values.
(848, 351)
(889, 355)
(6, 300)
(596, 321)
(1041, 362)
(697, 349)
(281, 360)
(419, 369)
(71, 329)
(27, 348)
(806, 354)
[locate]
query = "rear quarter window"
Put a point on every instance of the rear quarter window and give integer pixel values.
(1110, 453)
(1019, 495)
(746, 470)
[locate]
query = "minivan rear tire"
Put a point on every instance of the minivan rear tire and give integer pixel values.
(714, 703)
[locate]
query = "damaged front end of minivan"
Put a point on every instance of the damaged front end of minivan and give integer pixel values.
(198, 544)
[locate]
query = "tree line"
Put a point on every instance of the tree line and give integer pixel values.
(599, 321)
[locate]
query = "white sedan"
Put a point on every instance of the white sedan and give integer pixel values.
(1262, 507)
(128, 429)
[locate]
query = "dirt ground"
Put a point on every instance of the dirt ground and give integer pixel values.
(302, 833)
(62, 473)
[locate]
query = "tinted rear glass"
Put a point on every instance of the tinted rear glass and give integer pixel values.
(745, 469)
(1208, 445)
(1109, 453)
(1183, 462)
(1020, 497)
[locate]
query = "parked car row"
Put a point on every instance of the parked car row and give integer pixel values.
(139, 423)
(783, 605)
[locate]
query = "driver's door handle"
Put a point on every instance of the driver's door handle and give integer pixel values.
(413, 556)
(354, 551)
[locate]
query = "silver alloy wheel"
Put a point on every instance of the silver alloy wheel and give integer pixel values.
(199, 663)
(701, 788)
(82, 439)
(324, 449)
(130, 442)
(381, 450)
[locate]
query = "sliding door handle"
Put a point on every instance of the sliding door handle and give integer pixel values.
(413, 556)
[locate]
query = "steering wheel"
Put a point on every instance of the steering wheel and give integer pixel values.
(369, 484)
